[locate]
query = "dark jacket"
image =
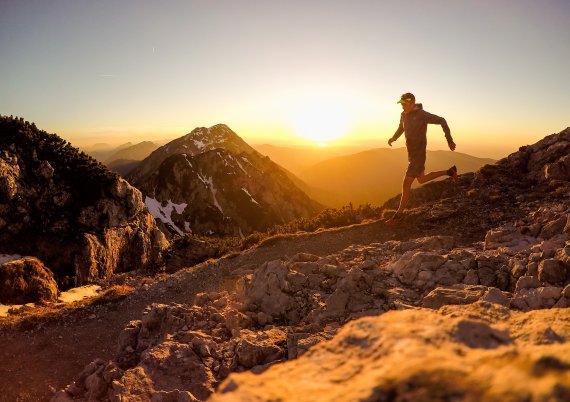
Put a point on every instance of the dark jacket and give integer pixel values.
(414, 124)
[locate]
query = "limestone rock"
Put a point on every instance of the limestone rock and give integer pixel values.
(172, 365)
(255, 349)
(554, 227)
(133, 385)
(459, 294)
(494, 295)
(187, 252)
(299, 343)
(552, 271)
(421, 355)
(507, 236)
(26, 280)
(417, 267)
(559, 170)
(268, 289)
(536, 298)
(173, 396)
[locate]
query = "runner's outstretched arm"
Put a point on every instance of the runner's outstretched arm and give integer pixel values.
(434, 119)
(397, 134)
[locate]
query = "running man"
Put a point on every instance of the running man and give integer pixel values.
(414, 121)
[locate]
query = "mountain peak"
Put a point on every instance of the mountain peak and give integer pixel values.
(226, 187)
(205, 139)
(198, 141)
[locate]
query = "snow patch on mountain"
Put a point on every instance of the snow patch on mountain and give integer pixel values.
(214, 191)
(202, 179)
(186, 157)
(250, 196)
(164, 213)
(241, 167)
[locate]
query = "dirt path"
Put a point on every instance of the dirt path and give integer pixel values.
(42, 360)
(37, 362)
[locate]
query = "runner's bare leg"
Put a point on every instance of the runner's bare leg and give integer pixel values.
(406, 188)
(424, 178)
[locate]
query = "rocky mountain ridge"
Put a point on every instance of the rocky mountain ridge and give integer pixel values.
(211, 182)
(59, 205)
(467, 300)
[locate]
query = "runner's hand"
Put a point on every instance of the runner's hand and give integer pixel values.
(451, 145)
(390, 141)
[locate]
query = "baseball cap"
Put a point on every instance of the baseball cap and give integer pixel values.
(407, 98)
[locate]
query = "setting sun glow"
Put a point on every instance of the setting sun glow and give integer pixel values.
(320, 119)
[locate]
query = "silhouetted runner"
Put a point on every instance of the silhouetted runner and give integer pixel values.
(414, 121)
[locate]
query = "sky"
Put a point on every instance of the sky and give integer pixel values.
(288, 72)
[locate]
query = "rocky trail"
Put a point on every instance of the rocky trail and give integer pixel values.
(39, 360)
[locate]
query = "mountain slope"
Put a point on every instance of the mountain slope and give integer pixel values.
(101, 151)
(136, 152)
(127, 158)
(299, 159)
(373, 176)
(61, 206)
(210, 181)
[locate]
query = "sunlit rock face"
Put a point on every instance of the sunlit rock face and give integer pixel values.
(61, 206)
(469, 353)
(211, 182)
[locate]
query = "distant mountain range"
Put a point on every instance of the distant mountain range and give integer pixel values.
(371, 176)
(299, 159)
(127, 158)
(210, 181)
(332, 176)
(102, 151)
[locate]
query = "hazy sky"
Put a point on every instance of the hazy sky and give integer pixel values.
(281, 71)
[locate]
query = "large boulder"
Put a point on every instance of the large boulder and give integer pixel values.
(26, 280)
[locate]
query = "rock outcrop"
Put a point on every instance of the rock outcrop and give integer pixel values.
(481, 352)
(61, 206)
(469, 302)
(26, 280)
(211, 182)
(281, 309)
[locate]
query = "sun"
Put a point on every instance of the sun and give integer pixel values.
(320, 119)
